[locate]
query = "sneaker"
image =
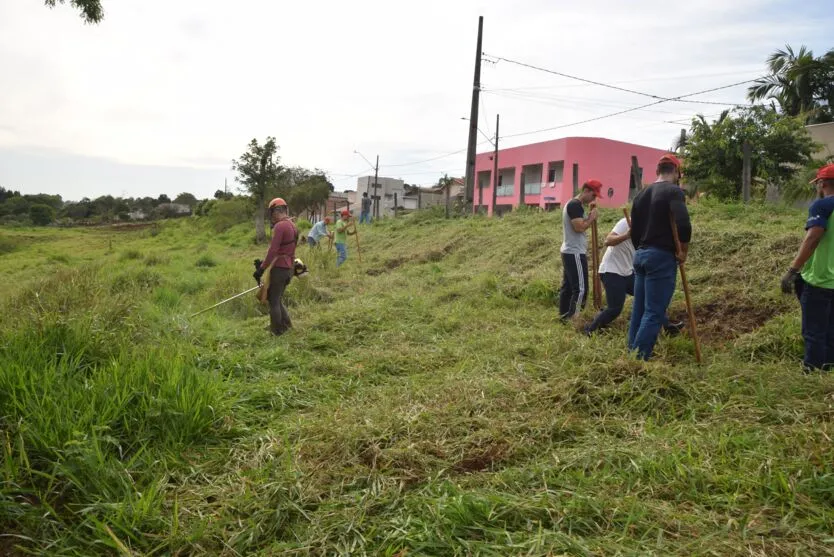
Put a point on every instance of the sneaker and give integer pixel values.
(673, 329)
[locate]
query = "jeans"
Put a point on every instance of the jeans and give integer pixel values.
(616, 289)
(655, 272)
(818, 326)
(573, 294)
(365, 216)
(341, 251)
(279, 319)
(312, 242)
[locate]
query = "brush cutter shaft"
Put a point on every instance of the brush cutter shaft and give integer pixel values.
(236, 296)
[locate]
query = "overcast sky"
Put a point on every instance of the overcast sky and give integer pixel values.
(162, 94)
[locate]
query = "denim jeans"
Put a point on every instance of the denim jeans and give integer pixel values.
(365, 216)
(655, 272)
(341, 250)
(616, 289)
(818, 326)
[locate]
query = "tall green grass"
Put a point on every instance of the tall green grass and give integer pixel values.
(426, 402)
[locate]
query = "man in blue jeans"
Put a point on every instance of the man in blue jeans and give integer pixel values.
(811, 274)
(365, 213)
(655, 258)
(617, 274)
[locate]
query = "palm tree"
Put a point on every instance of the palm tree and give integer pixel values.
(801, 84)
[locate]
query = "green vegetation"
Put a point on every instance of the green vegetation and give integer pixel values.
(427, 401)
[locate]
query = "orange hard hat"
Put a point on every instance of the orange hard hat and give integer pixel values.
(277, 202)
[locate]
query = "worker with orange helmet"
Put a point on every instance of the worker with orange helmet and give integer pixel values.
(280, 259)
(344, 227)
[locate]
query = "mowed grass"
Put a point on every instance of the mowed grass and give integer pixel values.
(427, 401)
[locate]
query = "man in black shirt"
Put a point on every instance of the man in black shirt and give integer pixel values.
(655, 265)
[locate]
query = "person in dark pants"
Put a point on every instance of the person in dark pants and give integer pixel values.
(281, 256)
(655, 258)
(573, 294)
(811, 275)
(617, 274)
(365, 213)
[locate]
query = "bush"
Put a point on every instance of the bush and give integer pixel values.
(41, 215)
(224, 214)
(206, 261)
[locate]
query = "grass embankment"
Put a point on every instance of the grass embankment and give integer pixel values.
(427, 401)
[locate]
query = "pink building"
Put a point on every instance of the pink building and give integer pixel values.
(548, 174)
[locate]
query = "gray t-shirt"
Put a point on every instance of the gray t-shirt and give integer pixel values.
(574, 242)
(366, 204)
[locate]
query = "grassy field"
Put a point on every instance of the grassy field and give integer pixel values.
(427, 402)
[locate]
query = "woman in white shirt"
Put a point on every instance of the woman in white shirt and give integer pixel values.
(617, 274)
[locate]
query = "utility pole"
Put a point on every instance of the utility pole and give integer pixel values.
(376, 189)
(495, 165)
(225, 188)
(745, 172)
(469, 183)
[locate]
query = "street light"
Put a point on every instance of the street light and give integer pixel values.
(355, 152)
(488, 138)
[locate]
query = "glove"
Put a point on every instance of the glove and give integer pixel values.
(258, 271)
(789, 281)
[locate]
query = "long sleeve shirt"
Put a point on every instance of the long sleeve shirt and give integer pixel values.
(282, 247)
(650, 217)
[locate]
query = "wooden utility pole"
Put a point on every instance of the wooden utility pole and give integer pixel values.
(376, 188)
(746, 172)
(395, 204)
(495, 164)
(448, 198)
(469, 182)
(636, 178)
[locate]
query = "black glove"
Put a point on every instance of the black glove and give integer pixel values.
(258, 271)
(789, 281)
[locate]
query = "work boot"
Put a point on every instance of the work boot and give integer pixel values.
(673, 329)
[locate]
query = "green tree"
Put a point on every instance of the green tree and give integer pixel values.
(713, 157)
(259, 171)
(41, 214)
(91, 10)
(186, 199)
(307, 189)
(801, 84)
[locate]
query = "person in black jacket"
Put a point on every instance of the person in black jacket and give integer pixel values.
(655, 265)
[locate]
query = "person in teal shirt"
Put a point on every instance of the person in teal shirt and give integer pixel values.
(811, 276)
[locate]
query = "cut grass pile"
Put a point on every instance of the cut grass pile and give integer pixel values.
(426, 402)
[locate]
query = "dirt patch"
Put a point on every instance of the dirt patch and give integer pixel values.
(720, 322)
(482, 459)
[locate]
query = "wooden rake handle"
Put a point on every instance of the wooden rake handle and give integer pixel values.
(689, 311)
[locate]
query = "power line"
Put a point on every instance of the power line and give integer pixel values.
(661, 101)
(598, 83)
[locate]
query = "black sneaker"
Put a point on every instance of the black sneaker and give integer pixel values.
(673, 329)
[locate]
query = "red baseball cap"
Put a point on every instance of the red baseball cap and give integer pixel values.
(595, 186)
(669, 157)
(345, 213)
(824, 173)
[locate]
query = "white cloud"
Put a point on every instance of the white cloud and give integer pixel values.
(188, 83)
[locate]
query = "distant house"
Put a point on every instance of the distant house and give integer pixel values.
(824, 135)
(137, 214)
(169, 210)
(548, 174)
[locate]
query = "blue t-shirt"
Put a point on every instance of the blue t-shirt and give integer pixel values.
(318, 231)
(819, 269)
